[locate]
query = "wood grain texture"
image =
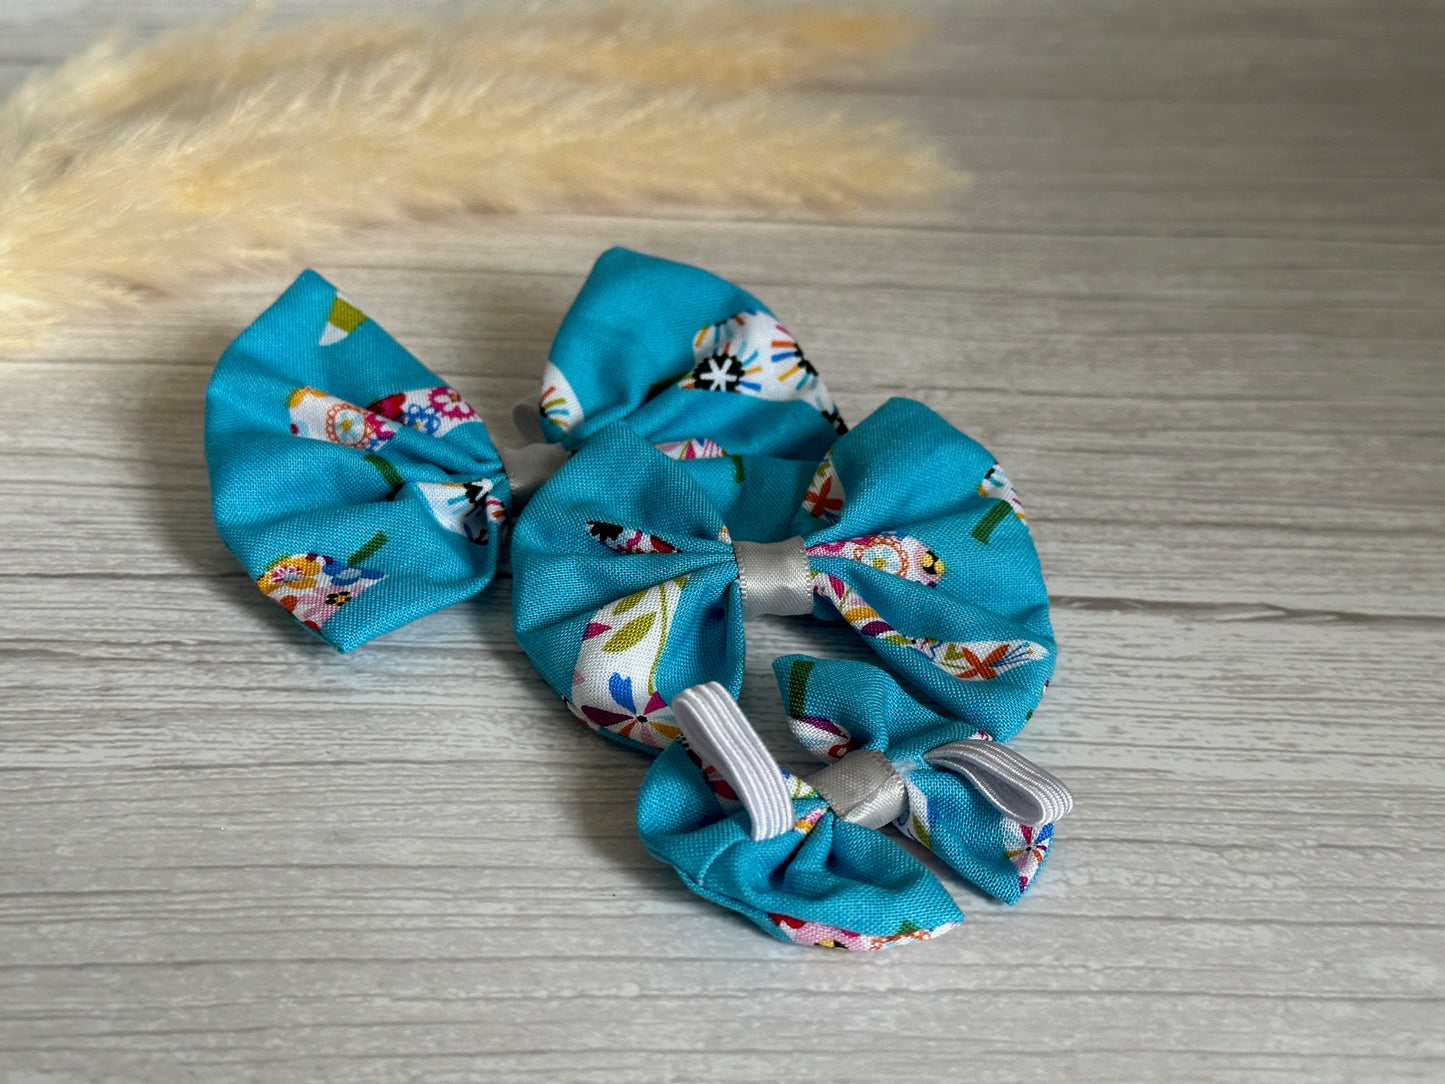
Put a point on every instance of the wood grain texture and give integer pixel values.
(1194, 298)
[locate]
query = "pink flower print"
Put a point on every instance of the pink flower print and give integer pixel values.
(449, 403)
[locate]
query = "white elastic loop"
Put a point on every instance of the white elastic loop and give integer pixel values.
(774, 577)
(528, 467)
(1015, 785)
(719, 733)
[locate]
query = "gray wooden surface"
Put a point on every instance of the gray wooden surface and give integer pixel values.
(1194, 299)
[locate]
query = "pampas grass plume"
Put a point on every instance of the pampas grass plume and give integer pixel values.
(130, 171)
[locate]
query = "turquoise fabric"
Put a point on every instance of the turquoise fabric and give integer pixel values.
(361, 492)
(641, 326)
(628, 593)
(355, 521)
(827, 882)
(837, 706)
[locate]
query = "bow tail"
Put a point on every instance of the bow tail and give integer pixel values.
(824, 882)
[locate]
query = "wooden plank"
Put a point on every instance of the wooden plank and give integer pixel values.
(1192, 299)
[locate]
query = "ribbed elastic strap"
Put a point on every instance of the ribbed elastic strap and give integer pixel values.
(719, 733)
(1018, 787)
(774, 577)
(862, 788)
(528, 467)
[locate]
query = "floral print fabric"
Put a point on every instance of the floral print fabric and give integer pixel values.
(971, 630)
(322, 432)
(750, 353)
(313, 587)
(824, 882)
(837, 707)
(691, 362)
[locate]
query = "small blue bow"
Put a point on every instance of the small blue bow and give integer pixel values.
(629, 591)
(801, 856)
(973, 802)
(742, 832)
(361, 491)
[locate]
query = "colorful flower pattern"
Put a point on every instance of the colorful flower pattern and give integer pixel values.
(313, 587)
(1026, 847)
(434, 411)
(627, 539)
(974, 660)
(750, 353)
(468, 508)
(558, 403)
(822, 737)
(800, 932)
(996, 484)
(898, 554)
(825, 496)
(318, 416)
(693, 448)
(614, 685)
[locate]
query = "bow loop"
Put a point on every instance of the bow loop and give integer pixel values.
(358, 488)
(742, 832)
(695, 364)
(964, 620)
(981, 807)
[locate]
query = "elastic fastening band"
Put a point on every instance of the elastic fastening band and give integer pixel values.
(717, 731)
(1014, 784)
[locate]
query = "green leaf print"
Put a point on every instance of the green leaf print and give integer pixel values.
(921, 833)
(629, 602)
(630, 634)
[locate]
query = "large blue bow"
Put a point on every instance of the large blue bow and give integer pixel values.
(630, 591)
(361, 491)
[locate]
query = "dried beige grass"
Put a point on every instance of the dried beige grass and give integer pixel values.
(125, 172)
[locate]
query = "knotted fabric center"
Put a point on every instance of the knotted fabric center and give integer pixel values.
(862, 788)
(774, 577)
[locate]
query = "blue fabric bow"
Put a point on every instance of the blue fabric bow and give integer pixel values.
(361, 491)
(628, 593)
(811, 878)
(802, 855)
(840, 707)
(358, 489)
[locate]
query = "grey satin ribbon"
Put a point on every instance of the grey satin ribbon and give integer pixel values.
(528, 420)
(863, 788)
(716, 729)
(528, 467)
(774, 577)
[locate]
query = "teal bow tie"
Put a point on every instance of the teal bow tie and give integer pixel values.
(631, 583)
(801, 855)
(361, 491)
